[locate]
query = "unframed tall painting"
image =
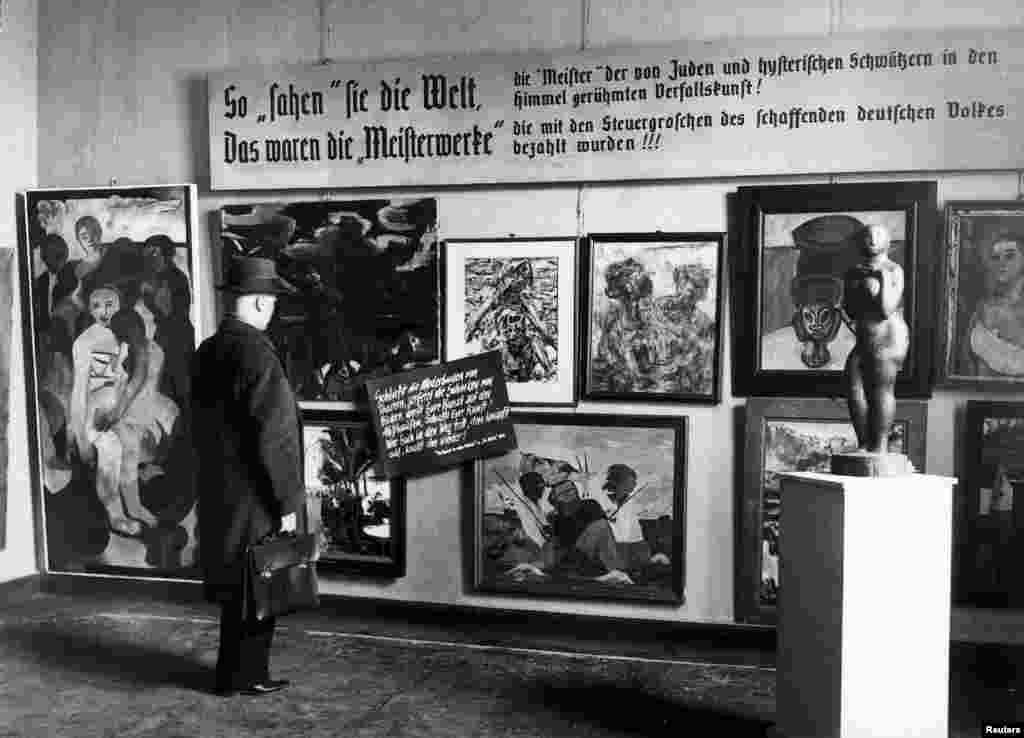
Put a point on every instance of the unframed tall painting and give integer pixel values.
(6, 301)
(367, 277)
(107, 279)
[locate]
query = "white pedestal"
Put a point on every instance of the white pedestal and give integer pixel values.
(864, 606)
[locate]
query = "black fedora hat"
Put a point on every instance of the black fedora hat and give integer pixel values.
(250, 275)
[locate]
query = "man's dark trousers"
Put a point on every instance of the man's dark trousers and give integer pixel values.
(244, 655)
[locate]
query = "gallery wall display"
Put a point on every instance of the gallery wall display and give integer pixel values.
(795, 435)
(6, 302)
(367, 279)
(651, 316)
(982, 332)
(990, 530)
(589, 506)
(795, 243)
(357, 514)
(516, 296)
(107, 279)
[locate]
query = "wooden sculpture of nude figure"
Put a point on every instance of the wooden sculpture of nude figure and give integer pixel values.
(872, 302)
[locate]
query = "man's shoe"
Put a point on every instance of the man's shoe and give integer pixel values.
(265, 687)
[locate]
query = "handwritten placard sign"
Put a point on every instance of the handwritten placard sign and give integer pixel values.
(908, 101)
(441, 416)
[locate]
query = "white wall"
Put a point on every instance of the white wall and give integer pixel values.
(19, 80)
(122, 97)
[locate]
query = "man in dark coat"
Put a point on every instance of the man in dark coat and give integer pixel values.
(249, 449)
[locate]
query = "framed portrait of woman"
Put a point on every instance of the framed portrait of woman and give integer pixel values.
(983, 325)
(651, 316)
(794, 244)
(107, 278)
(516, 296)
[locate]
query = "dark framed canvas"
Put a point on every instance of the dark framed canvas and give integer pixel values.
(795, 435)
(651, 316)
(516, 296)
(106, 278)
(588, 506)
(991, 525)
(368, 277)
(793, 246)
(983, 322)
(357, 514)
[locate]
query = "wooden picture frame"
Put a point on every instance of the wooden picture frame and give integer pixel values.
(983, 339)
(356, 513)
(793, 245)
(574, 540)
(516, 296)
(367, 274)
(659, 337)
(794, 435)
(991, 517)
(122, 266)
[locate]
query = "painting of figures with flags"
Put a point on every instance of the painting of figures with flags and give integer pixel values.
(367, 281)
(588, 506)
(357, 514)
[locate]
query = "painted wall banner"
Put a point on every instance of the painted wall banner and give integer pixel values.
(440, 416)
(921, 101)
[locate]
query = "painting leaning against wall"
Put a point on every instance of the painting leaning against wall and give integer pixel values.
(107, 279)
(6, 302)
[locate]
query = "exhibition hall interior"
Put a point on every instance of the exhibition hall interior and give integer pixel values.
(653, 362)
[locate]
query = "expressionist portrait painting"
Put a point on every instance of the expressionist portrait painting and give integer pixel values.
(652, 312)
(984, 331)
(516, 297)
(367, 280)
(108, 276)
(357, 514)
(793, 248)
(587, 506)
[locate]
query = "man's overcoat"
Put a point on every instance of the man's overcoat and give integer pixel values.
(249, 449)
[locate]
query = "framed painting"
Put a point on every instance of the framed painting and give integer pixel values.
(588, 506)
(367, 277)
(790, 435)
(983, 322)
(107, 279)
(991, 525)
(357, 514)
(6, 303)
(516, 296)
(794, 245)
(651, 316)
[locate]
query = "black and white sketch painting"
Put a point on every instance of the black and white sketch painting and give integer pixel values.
(515, 297)
(653, 314)
(367, 276)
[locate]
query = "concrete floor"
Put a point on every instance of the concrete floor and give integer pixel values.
(126, 666)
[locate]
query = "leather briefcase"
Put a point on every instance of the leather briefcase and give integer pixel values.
(280, 576)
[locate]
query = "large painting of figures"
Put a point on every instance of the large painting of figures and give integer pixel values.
(356, 513)
(795, 436)
(367, 275)
(517, 297)
(6, 302)
(588, 506)
(107, 278)
(652, 316)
